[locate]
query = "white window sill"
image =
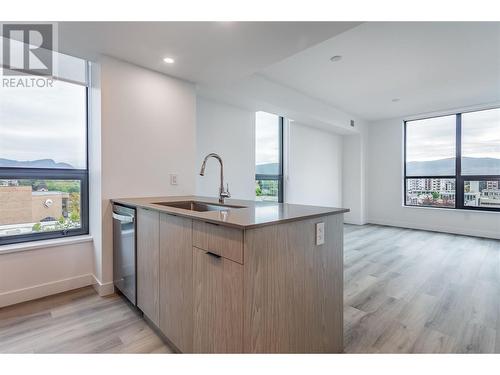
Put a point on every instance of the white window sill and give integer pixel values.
(462, 210)
(36, 245)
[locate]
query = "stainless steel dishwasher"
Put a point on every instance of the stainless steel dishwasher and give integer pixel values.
(124, 254)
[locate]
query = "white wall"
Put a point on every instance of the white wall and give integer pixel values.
(148, 132)
(39, 272)
(384, 190)
(142, 128)
(230, 132)
(353, 178)
(258, 93)
(95, 170)
(48, 267)
(312, 154)
(314, 166)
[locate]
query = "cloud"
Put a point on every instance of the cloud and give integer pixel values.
(433, 139)
(266, 138)
(44, 123)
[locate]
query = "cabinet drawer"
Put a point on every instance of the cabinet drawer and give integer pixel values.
(218, 239)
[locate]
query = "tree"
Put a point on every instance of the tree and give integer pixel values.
(74, 217)
(258, 190)
(37, 227)
(74, 199)
(435, 195)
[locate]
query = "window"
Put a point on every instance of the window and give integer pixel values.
(268, 157)
(43, 162)
(454, 161)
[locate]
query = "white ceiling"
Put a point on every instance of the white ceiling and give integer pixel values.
(428, 66)
(205, 52)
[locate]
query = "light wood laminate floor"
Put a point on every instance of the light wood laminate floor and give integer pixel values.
(406, 291)
(411, 291)
(76, 322)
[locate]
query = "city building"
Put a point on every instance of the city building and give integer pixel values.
(20, 207)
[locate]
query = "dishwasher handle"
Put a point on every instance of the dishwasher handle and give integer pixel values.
(123, 218)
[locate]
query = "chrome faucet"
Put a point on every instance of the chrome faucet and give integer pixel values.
(222, 193)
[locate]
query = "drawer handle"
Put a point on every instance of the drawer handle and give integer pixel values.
(213, 254)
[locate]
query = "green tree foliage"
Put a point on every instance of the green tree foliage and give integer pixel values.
(74, 217)
(258, 190)
(74, 199)
(65, 186)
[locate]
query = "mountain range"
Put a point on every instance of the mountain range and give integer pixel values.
(441, 167)
(269, 168)
(42, 163)
(444, 167)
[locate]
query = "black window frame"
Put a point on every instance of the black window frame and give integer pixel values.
(458, 177)
(82, 175)
(277, 177)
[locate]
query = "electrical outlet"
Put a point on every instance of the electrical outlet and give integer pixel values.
(173, 179)
(320, 233)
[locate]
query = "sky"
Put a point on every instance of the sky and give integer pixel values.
(481, 134)
(266, 138)
(44, 123)
(433, 139)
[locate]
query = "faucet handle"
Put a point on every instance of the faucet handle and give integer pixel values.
(226, 193)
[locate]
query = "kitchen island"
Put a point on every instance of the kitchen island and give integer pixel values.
(240, 277)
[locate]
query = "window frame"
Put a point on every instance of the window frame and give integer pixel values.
(458, 177)
(277, 177)
(81, 175)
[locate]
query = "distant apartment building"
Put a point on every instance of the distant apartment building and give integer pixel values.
(427, 185)
(490, 197)
(482, 193)
(20, 205)
(420, 190)
(492, 185)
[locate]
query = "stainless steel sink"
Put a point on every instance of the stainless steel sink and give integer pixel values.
(198, 206)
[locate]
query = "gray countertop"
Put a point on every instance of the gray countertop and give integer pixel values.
(255, 214)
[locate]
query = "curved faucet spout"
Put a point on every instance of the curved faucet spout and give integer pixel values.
(222, 193)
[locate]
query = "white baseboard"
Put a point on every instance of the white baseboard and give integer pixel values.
(103, 289)
(355, 222)
(42, 290)
(436, 228)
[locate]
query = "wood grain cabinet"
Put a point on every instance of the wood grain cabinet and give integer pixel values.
(176, 281)
(293, 288)
(148, 260)
(218, 304)
(268, 289)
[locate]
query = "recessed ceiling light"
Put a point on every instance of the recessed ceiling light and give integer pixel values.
(395, 100)
(335, 58)
(168, 60)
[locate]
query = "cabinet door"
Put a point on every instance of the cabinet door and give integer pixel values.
(176, 281)
(148, 253)
(218, 304)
